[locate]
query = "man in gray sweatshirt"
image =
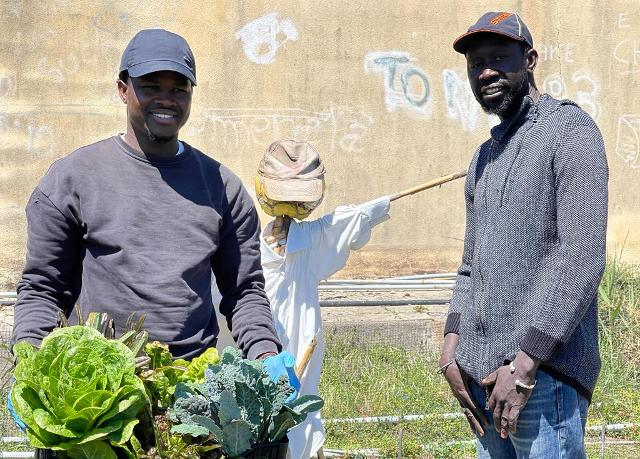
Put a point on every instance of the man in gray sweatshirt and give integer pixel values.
(521, 338)
(137, 222)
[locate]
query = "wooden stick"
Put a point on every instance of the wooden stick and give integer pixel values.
(429, 184)
(306, 357)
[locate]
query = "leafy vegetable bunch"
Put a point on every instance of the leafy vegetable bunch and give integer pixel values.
(162, 372)
(238, 406)
(79, 393)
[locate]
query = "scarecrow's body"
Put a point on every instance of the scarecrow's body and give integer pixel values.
(314, 250)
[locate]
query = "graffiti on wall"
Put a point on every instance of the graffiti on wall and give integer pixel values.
(113, 21)
(262, 37)
(563, 52)
(627, 50)
(584, 90)
(344, 128)
(405, 85)
(628, 142)
(28, 131)
(461, 103)
(57, 69)
(7, 85)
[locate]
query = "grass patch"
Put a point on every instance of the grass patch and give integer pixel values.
(617, 394)
(387, 380)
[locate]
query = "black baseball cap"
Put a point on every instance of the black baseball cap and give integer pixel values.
(154, 50)
(508, 25)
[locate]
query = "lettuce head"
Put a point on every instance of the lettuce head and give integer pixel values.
(78, 393)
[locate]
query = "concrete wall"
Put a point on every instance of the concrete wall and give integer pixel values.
(375, 86)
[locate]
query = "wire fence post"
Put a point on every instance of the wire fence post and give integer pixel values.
(603, 436)
(400, 452)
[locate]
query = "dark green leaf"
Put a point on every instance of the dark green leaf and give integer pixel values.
(229, 409)
(194, 430)
(208, 423)
(237, 438)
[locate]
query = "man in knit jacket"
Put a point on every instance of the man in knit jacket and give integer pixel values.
(521, 339)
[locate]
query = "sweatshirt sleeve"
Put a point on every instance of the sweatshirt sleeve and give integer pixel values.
(238, 272)
(50, 281)
(348, 228)
(581, 177)
(462, 290)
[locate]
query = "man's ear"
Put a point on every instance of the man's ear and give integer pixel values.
(123, 90)
(532, 59)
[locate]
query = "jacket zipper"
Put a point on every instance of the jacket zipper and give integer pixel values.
(482, 240)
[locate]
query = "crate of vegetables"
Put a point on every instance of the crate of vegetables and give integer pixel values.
(82, 394)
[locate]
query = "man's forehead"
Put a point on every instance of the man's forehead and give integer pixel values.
(165, 75)
(489, 42)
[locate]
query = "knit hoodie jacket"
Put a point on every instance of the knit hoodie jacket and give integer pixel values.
(534, 250)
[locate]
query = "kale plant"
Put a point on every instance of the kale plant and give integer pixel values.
(238, 405)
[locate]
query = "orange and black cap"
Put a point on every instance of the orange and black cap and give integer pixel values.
(508, 25)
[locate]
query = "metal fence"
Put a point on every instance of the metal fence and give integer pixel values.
(11, 439)
(366, 318)
(382, 398)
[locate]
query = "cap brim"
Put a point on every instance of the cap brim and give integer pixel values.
(145, 68)
(309, 190)
(463, 41)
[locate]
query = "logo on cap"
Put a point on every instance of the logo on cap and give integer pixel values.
(499, 18)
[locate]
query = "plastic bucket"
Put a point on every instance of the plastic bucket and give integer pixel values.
(269, 451)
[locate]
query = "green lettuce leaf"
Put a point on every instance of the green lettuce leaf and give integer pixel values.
(78, 392)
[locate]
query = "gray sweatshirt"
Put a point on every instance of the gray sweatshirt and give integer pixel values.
(113, 231)
(534, 251)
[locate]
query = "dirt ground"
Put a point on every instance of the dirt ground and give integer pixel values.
(415, 327)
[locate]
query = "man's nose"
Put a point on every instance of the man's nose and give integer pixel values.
(166, 98)
(487, 73)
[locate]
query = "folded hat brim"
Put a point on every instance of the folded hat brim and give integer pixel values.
(309, 190)
(463, 41)
(147, 67)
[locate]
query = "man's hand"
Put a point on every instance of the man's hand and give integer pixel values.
(283, 364)
(507, 398)
(458, 386)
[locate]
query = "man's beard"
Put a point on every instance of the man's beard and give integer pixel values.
(511, 100)
(156, 138)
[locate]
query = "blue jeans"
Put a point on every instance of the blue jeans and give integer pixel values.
(551, 425)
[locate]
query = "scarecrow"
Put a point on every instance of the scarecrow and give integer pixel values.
(297, 254)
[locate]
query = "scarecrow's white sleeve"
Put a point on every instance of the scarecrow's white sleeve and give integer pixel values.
(345, 229)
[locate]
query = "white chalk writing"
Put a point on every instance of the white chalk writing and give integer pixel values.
(7, 88)
(59, 68)
(585, 90)
(622, 20)
(30, 127)
(259, 127)
(262, 37)
(552, 51)
(461, 103)
(394, 66)
(628, 52)
(628, 143)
